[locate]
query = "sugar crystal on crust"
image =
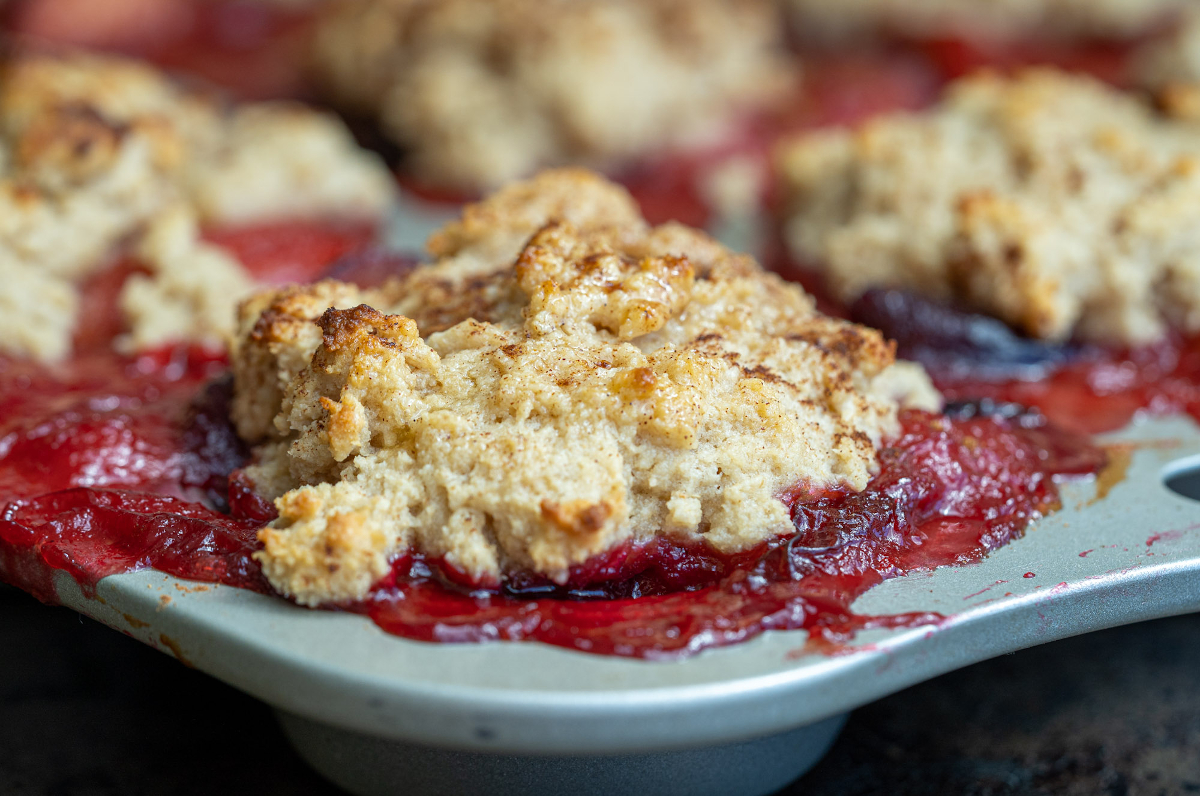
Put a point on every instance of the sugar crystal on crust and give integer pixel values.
(605, 383)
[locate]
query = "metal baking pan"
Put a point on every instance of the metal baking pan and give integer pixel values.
(383, 715)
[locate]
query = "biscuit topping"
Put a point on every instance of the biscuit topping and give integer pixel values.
(95, 151)
(481, 92)
(605, 383)
(1053, 202)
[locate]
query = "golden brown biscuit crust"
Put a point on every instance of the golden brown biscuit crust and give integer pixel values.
(610, 382)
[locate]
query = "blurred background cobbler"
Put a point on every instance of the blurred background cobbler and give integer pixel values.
(1042, 223)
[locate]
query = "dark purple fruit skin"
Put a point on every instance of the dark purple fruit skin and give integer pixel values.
(371, 266)
(949, 341)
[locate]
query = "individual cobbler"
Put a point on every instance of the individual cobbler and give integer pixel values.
(563, 379)
(99, 155)
(479, 92)
(985, 19)
(1053, 202)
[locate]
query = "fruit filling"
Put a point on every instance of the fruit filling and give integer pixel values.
(950, 489)
(253, 48)
(1086, 387)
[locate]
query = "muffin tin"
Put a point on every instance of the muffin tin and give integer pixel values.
(379, 714)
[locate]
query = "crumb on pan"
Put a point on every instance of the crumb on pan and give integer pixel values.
(1054, 202)
(602, 382)
(480, 92)
(94, 149)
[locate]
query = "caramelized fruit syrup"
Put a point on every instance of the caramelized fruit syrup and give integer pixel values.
(109, 464)
(253, 49)
(1084, 388)
(1104, 389)
(1107, 60)
(951, 488)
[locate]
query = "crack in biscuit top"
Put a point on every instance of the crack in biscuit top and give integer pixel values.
(607, 383)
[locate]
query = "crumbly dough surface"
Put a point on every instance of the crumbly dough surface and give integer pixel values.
(1053, 202)
(986, 19)
(94, 150)
(480, 92)
(525, 409)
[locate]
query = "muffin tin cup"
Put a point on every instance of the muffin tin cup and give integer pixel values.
(379, 714)
(371, 766)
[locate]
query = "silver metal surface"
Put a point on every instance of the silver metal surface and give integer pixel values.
(371, 766)
(1132, 556)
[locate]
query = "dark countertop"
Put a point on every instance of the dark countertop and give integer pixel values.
(85, 711)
